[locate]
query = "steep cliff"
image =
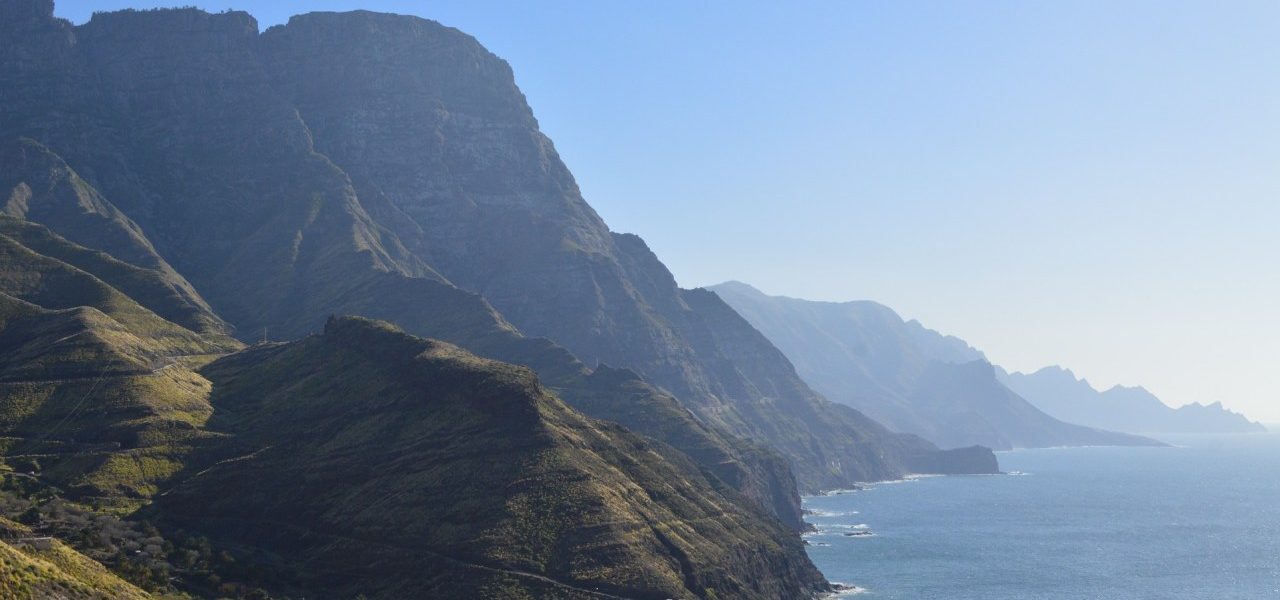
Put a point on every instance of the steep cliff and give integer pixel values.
(368, 164)
(437, 137)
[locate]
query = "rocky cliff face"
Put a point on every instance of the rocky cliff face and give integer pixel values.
(435, 133)
(374, 164)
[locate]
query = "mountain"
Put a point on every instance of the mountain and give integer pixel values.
(67, 275)
(397, 467)
(105, 402)
(175, 184)
(414, 468)
(387, 166)
(908, 377)
(97, 408)
(1059, 392)
(380, 446)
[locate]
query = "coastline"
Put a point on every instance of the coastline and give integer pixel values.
(1032, 527)
(845, 590)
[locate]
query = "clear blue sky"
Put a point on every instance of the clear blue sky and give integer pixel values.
(1092, 184)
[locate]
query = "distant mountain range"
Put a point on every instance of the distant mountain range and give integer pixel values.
(908, 377)
(917, 380)
(1060, 393)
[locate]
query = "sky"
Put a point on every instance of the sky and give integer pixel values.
(1093, 184)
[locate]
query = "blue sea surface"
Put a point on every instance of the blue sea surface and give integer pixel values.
(1197, 520)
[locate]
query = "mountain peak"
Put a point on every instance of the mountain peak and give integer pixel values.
(377, 338)
(1056, 371)
(736, 286)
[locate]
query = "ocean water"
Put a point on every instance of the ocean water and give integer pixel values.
(1200, 520)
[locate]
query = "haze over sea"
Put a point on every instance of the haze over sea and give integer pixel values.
(1200, 520)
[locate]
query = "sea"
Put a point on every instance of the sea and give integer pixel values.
(1197, 520)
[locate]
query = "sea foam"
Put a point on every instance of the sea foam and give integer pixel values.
(846, 590)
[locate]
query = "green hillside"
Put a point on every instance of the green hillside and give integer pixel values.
(365, 445)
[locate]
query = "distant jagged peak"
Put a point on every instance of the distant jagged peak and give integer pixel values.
(1057, 372)
(739, 286)
(1216, 405)
(1119, 387)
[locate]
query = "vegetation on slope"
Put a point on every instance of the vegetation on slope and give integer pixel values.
(55, 285)
(38, 186)
(35, 567)
(365, 444)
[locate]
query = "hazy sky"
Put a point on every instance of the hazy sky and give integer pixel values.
(1091, 184)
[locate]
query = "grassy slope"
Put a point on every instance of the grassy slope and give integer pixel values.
(370, 452)
(438, 310)
(36, 185)
(53, 284)
(78, 398)
(148, 287)
(94, 387)
(55, 571)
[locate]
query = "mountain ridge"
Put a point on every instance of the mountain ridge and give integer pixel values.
(1131, 408)
(470, 402)
(909, 377)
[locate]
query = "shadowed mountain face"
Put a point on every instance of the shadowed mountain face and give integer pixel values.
(362, 461)
(1060, 393)
(103, 402)
(398, 467)
(38, 186)
(908, 377)
(388, 166)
